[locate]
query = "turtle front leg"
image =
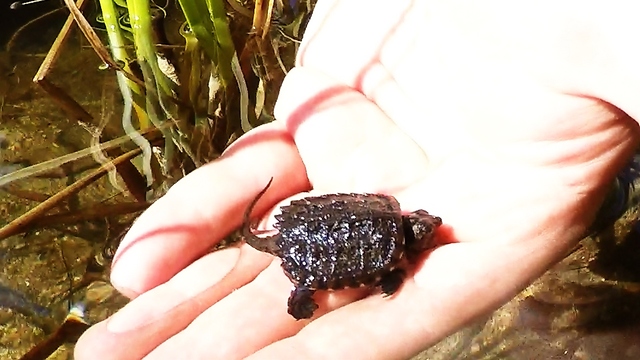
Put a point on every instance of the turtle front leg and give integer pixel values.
(391, 282)
(301, 303)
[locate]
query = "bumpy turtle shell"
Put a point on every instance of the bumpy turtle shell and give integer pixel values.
(340, 240)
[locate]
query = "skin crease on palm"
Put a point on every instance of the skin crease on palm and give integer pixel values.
(508, 121)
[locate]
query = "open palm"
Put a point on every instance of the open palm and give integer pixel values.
(448, 114)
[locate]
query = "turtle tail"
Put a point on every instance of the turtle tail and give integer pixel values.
(266, 244)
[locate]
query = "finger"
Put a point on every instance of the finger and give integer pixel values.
(167, 309)
(245, 321)
(339, 131)
(205, 206)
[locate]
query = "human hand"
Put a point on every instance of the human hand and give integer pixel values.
(490, 118)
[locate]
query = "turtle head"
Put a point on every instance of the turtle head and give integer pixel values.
(419, 231)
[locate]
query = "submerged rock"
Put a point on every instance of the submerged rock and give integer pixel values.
(15, 300)
(8, 168)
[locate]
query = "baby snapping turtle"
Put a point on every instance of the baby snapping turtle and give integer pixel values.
(338, 241)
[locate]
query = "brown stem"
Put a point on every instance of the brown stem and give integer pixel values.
(70, 330)
(25, 220)
(94, 213)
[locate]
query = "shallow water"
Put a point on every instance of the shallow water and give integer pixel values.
(43, 271)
